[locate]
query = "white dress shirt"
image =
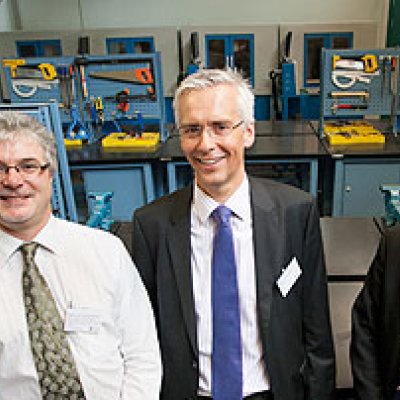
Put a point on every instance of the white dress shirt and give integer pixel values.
(255, 377)
(84, 268)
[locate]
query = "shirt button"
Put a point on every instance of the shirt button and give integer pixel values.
(194, 364)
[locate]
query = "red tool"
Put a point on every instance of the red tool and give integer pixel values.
(336, 107)
(122, 99)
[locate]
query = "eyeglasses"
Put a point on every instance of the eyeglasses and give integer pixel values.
(218, 129)
(26, 169)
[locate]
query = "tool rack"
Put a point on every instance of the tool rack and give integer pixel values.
(144, 99)
(95, 103)
(63, 200)
(377, 90)
(55, 85)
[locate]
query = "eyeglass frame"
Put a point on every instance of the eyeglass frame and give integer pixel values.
(38, 169)
(229, 129)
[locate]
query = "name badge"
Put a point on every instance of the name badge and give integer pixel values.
(82, 320)
(289, 277)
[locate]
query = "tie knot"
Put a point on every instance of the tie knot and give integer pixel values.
(29, 250)
(222, 215)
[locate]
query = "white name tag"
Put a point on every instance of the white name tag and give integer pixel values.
(289, 277)
(82, 320)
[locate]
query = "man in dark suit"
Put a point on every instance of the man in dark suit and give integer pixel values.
(286, 350)
(375, 344)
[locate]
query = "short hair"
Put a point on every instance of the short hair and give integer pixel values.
(206, 78)
(15, 125)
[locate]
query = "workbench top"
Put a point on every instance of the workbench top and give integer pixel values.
(284, 128)
(94, 154)
(283, 139)
(288, 147)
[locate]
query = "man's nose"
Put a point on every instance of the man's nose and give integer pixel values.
(12, 178)
(206, 138)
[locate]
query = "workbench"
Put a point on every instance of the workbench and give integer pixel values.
(358, 170)
(128, 174)
(288, 151)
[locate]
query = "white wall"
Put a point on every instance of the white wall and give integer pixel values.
(61, 14)
(5, 22)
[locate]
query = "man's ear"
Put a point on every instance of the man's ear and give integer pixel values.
(250, 135)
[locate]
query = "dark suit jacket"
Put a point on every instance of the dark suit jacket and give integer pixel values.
(375, 345)
(295, 331)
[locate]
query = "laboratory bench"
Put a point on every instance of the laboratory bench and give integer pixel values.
(284, 128)
(345, 179)
(129, 174)
(290, 158)
(356, 172)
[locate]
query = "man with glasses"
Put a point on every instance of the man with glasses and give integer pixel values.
(75, 319)
(234, 264)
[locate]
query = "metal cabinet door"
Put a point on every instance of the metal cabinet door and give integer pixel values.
(361, 194)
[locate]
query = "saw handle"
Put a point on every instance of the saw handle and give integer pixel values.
(48, 71)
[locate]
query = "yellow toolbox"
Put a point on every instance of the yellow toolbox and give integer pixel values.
(352, 133)
(69, 143)
(120, 140)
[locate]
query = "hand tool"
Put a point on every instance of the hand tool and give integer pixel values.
(13, 64)
(98, 104)
(65, 85)
(351, 77)
(385, 63)
(76, 130)
(44, 71)
(367, 63)
(362, 93)
(26, 88)
(20, 70)
(335, 107)
(82, 62)
(122, 100)
(138, 76)
(394, 76)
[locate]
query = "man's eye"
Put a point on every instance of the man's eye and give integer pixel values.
(28, 166)
(220, 126)
(193, 129)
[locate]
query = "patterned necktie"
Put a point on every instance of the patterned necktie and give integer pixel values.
(227, 345)
(58, 377)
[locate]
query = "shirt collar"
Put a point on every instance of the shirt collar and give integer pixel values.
(9, 245)
(47, 238)
(238, 203)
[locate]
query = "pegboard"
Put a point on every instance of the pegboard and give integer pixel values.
(145, 97)
(376, 97)
(53, 90)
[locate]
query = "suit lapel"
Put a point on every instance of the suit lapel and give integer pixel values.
(178, 239)
(268, 250)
